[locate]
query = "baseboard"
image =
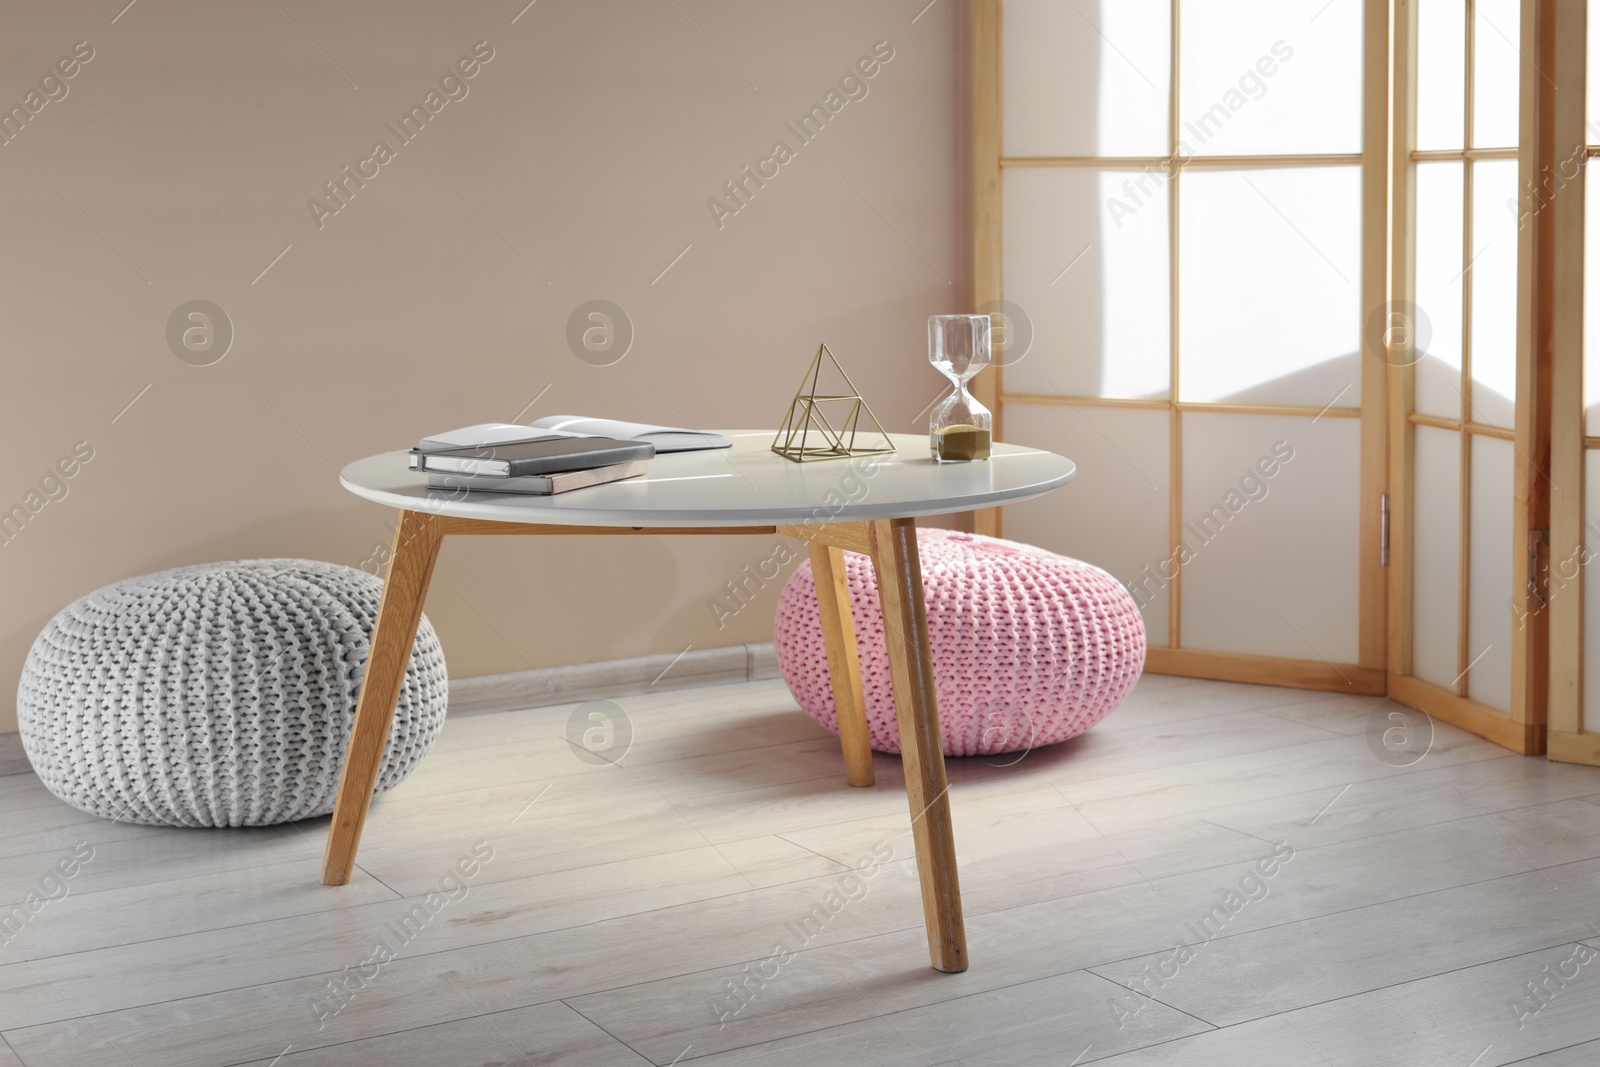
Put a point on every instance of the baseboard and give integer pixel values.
(12, 759)
(763, 662)
(611, 678)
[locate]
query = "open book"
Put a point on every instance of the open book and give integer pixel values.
(665, 438)
(488, 434)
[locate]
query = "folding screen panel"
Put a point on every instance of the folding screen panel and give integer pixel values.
(1339, 421)
(1467, 488)
(1565, 210)
(1182, 208)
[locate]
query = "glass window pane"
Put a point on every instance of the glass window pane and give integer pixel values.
(1273, 563)
(1441, 74)
(1492, 579)
(1591, 302)
(1436, 557)
(1494, 292)
(1496, 30)
(1439, 284)
(1086, 259)
(1270, 285)
(1122, 470)
(1593, 136)
(1270, 76)
(1086, 78)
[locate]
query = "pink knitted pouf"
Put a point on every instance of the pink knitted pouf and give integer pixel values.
(1029, 648)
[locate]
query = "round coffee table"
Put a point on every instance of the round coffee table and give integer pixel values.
(865, 504)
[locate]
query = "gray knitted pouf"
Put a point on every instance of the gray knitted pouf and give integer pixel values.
(217, 695)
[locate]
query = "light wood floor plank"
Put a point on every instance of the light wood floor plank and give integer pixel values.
(187, 966)
(253, 1023)
(1409, 916)
(1130, 799)
(1237, 978)
(53, 826)
(872, 1043)
(548, 1035)
(1045, 1022)
(80, 922)
(1335, 712)
(657, 716)
(416, 990)
(1031, 943)
(1551, 834)
(1584, 1055)
(1034, 836)
(157, 854)
(1040, 1024)
(1088, 760)
(1270, 1042)
(1454, 1017)
(1425, 795)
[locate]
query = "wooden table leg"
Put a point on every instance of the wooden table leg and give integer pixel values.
(844, 662)
(416, 546)
(894, 557)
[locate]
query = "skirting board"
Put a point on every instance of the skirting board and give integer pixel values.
(611, 678)
(564, 685)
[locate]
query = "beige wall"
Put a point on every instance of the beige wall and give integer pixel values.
(190, 145)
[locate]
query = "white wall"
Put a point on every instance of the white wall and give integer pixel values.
(180, 162)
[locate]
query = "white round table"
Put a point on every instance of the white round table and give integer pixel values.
(746, 485)
(865, 504)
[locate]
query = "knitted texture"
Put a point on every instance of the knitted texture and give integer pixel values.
(1029, 648)
(217, 695)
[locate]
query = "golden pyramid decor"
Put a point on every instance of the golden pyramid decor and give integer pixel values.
(807, 432)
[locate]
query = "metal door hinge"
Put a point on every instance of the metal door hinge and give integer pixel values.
(1538, 570)
(1383, 530)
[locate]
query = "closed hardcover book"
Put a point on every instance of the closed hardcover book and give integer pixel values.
(537, 484)
(490, 434)
(518, 459)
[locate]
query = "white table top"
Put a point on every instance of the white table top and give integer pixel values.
(746, 485)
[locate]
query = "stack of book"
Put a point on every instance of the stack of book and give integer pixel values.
(553, 455)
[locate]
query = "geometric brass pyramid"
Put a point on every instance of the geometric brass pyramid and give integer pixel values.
(808, 433)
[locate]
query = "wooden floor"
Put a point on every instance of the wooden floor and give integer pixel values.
(698, 902)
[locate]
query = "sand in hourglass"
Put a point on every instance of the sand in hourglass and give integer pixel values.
(962, 442)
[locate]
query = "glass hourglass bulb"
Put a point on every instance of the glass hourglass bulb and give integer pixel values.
(960, 427)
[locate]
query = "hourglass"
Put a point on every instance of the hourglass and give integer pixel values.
(958, 345)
